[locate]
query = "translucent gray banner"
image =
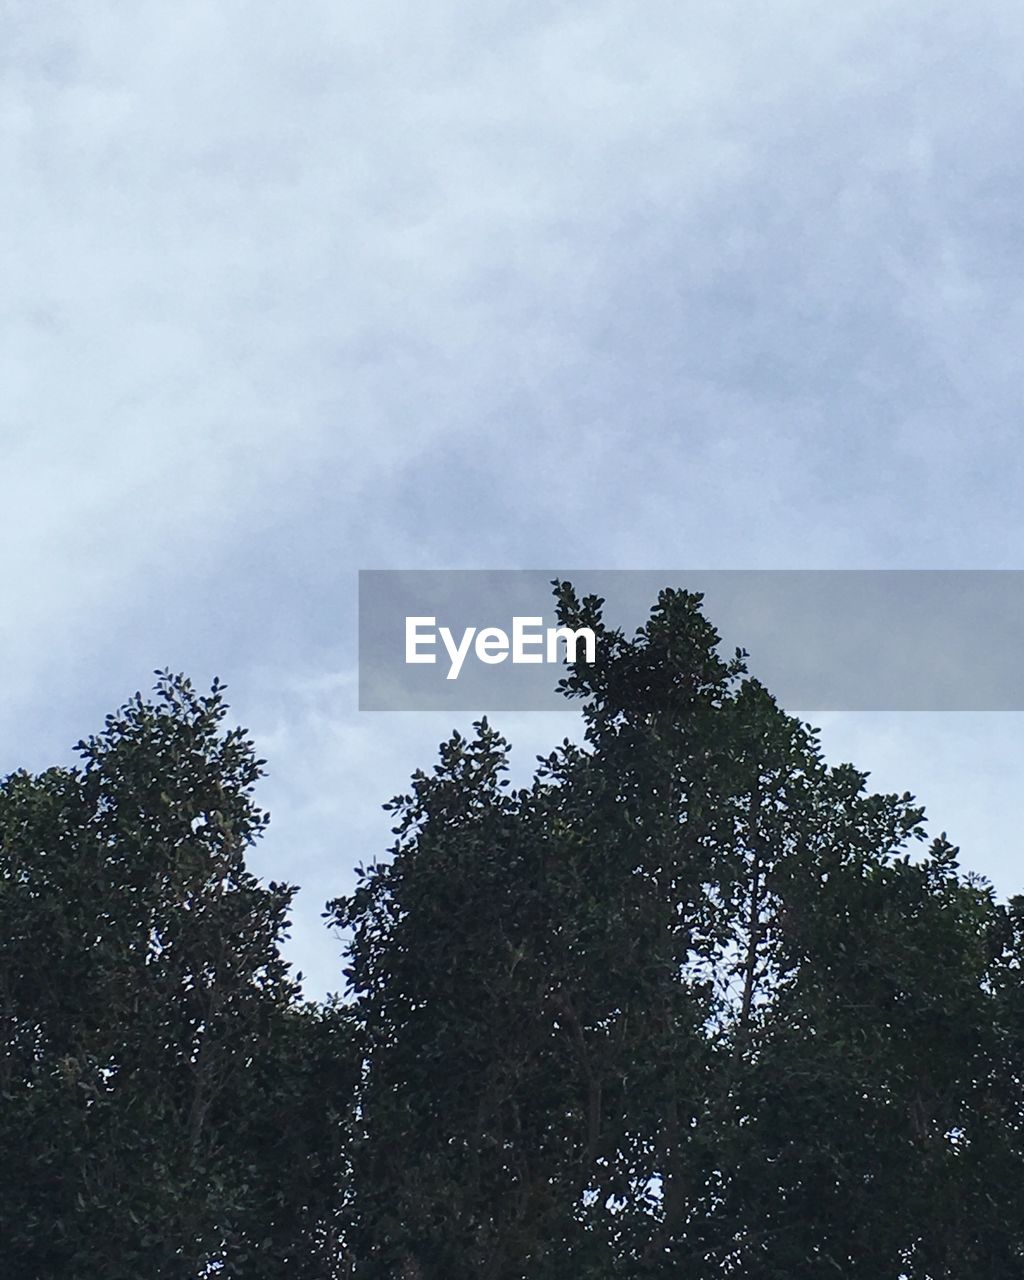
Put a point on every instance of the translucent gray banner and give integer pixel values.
(821, 640)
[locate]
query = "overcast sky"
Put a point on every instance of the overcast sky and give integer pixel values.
(288, 291)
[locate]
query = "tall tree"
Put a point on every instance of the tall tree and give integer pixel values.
(150, 1029)
(684, 1005)
(692, 1002)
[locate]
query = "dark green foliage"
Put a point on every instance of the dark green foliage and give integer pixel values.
(155, 1090)
(692, 1003)
(685, 1006)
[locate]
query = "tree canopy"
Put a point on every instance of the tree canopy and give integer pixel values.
(160, 1081)
(693, 1002)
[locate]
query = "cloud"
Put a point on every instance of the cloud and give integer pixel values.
(293, 292)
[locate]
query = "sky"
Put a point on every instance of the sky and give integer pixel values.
(290, 291)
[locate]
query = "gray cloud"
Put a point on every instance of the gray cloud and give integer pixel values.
(292, 292)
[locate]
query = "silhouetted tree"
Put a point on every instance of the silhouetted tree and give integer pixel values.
(156, 1065)
(691, 1003)
(683, 1006)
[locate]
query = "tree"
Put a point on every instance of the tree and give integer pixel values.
(686, 1005)
(692, 1002)
(155, 1069)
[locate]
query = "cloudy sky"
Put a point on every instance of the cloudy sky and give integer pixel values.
(289, 291)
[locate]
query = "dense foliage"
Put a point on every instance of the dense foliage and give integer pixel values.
(162, 1109)
(692, 1003)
